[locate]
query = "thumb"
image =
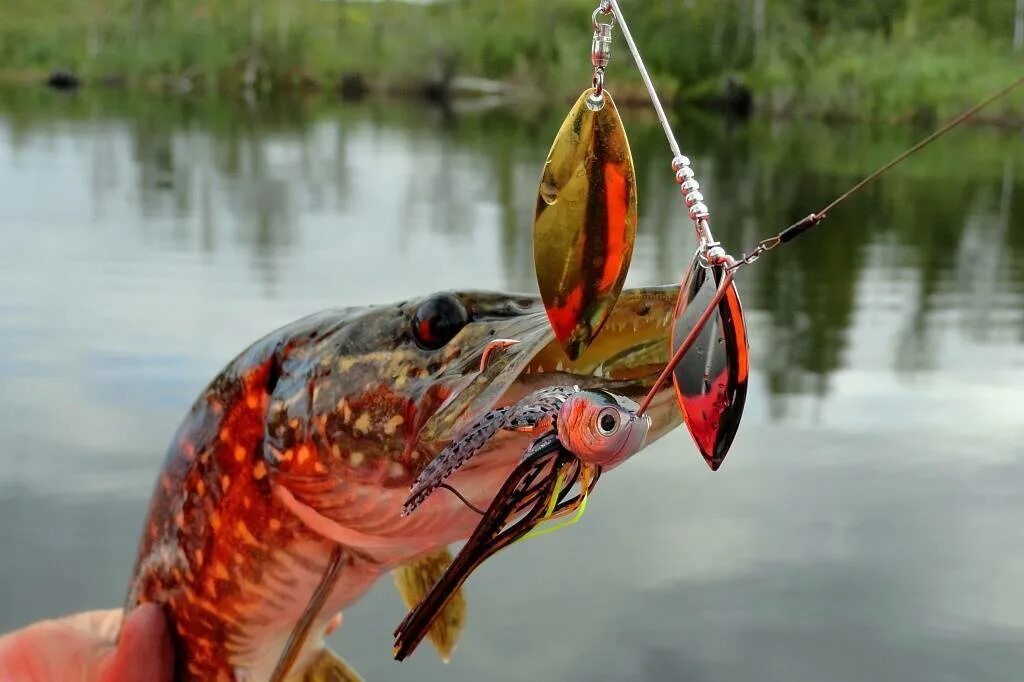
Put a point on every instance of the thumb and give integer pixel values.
(143, 652)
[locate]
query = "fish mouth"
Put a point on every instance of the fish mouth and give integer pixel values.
(625, 358)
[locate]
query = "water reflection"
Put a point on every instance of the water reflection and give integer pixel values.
(218, 175)
(879, 465)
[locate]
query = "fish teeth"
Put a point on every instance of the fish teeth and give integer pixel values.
(560, 367)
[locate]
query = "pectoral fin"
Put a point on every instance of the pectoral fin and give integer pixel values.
(414, 581)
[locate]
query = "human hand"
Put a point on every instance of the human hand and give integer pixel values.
(85, 648)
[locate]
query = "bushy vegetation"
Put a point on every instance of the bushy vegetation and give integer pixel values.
(887, 59)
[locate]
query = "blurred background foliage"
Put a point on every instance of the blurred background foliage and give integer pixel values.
(876, 59)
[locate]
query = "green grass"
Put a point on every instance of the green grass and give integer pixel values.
(874, 59)
(865, 75)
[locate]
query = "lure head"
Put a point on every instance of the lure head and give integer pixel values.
(602, 428)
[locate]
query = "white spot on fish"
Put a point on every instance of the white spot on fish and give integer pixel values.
(393, 424)
(362, 424)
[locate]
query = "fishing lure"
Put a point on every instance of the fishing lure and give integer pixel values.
(585, 217)
(710, 382)
(579, 434)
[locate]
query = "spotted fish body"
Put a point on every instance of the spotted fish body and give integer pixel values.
(310, 440)
(218, 548)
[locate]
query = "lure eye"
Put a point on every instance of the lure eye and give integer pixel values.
(608, 422)
(438, 320)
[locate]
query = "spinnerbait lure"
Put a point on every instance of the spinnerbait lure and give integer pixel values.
(596, 426)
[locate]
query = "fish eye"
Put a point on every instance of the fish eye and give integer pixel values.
(438, 320)
(608, 422)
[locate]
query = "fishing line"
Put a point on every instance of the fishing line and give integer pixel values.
(924, 143)
(801, 226)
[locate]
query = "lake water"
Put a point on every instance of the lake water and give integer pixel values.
(868, 523)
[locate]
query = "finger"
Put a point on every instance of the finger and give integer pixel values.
(144, 652)
(50, 650)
